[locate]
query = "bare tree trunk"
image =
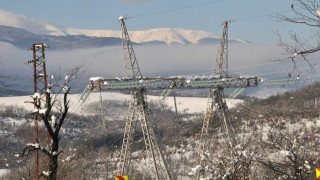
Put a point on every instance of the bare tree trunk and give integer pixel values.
(53, 164)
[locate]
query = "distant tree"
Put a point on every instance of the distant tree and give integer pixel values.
(305, 12)
(53, 114)
(2, 77)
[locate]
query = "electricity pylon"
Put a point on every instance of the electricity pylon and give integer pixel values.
(217, 104)
(138, 108)
(40, 86)
(139, 112)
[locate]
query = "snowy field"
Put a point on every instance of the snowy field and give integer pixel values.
(3, 172)
(185, 104)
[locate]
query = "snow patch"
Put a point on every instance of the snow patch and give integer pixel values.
(46, 173)
(96, 78)
(36, 96)
(53, 120)
(43, 111)
(4, 172)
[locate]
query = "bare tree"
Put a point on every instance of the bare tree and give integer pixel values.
(226, 164)
(2, 83)
(305, 12)
(293, 155)
(53, 114)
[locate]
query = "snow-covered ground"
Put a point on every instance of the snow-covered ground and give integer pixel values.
(184, 155)
(185, 104)
(193, 104)
(3, 172)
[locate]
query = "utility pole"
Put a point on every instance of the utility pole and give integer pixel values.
(40, 87)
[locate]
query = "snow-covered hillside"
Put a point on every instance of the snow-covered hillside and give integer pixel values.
(166, 35)
(185, 104)
(162, 35)
(282, 129)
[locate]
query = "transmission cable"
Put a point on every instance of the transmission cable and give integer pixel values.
(176, 9)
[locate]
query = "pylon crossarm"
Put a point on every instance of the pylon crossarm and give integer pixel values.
(177, 83)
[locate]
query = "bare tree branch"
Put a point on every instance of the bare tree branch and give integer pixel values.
(294, 159)
(304, 12)
(53, 125)
(32, 147)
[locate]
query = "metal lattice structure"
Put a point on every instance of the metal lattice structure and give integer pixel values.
(39, 70)
(172, 82)
(139, 114)
(131, 66)
(221, 66)
(216, 104)
(40, 86)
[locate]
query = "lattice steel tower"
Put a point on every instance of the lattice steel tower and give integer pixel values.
(139, 113)
(221, 66)
(216, 103)
(40, 86)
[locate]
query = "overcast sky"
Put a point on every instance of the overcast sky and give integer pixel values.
(252, 18)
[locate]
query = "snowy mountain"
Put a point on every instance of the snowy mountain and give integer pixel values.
(73, 38)
(23, 39)
(45, 30)
(164, 35)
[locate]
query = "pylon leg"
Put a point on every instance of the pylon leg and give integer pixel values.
(224, 113)
(218, 105)
(205, 136)
(206, 121)
(127, 140)
(138, 111)
(148, 141)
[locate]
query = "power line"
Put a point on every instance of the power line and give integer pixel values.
(175, 9)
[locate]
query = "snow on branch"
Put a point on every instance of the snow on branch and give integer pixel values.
(32, 147)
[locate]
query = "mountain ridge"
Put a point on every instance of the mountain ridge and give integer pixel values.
(23, 38)
(167, 35)
(42, 30)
